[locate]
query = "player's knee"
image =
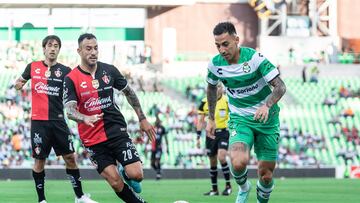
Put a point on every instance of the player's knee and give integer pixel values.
(39, 165)
(239, 165)
(116, 183)
(266, 177)
(138, 176)
(222, 156)
(70, 160)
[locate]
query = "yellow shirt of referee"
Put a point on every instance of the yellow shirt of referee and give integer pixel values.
(221, 111)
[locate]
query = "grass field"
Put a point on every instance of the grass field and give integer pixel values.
(167, 191)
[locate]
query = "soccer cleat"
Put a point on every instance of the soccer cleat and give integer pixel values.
(158, 176)
(136, 186)
(227, 191)
(243, 196)
(211, 193)
(44, 201)
(84, 199)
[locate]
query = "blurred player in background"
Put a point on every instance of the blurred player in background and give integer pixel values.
(217, 144)
(254, 114)
(157, 147)
(48, 126)
(89, 100)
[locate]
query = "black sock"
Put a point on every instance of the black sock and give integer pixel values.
(129, 196)
(213, 176)
(158, 168)
(39, 184)
(153, 165)
(74, 176)
(226, 171)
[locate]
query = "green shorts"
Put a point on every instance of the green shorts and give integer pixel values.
(264, 136)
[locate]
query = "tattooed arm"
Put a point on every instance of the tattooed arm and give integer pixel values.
(74, 114)
(278, 91)
(262, 113)
(211, 98)
(133, 100)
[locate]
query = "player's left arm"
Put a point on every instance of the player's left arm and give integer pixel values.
(262, 114)
(135, 104)
(278, 91)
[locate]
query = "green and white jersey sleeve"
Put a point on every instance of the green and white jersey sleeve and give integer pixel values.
(246, 82)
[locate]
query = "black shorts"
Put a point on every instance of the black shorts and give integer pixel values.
(156, 154)
(119, 149)
(221, 141)
(50, 134)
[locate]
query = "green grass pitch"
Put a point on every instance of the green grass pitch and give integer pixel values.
(167, 191)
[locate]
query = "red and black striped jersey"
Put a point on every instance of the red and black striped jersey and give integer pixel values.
(160, 133)
(95, 96)
(46, 90)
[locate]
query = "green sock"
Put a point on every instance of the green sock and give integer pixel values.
(263, 191)
(239, 176)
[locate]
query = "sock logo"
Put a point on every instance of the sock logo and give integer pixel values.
(39, 186)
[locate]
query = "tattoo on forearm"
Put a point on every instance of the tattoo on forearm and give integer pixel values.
(73, 113)
(134, 102)
(211, 97)
(278, 91)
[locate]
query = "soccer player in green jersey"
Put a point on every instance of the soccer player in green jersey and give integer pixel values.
(254, 113)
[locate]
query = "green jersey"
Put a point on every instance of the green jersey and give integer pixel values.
(246, 82)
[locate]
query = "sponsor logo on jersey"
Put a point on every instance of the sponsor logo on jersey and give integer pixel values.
(246, 67)
(95, 83)
(40, 87)
(65, 93)
(58, 73)
(243, 90)
(106, 79)
(37, 70)
(83, 85)
(94, 104)
(47, 73)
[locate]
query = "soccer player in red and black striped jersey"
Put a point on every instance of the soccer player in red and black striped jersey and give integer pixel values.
(48, 127)
(88, 99)
(157, 147)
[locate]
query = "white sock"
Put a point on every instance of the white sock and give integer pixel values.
(245, 186)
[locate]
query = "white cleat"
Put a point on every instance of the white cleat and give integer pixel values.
(44, 201)
(84, 199)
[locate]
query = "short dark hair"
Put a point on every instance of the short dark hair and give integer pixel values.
(51, 37)
(85, 36)
(224, 27)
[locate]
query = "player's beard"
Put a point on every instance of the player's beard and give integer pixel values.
(91, 64)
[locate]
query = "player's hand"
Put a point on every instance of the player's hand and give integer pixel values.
(90, 120)
(210, 129)
(262, 114)
(146, 127)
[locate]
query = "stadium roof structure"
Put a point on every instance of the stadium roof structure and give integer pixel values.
(104, 3)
